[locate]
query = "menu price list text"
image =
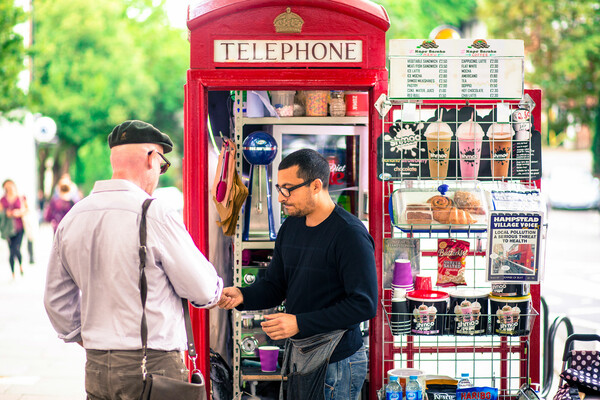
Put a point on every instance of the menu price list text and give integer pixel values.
(456, 78)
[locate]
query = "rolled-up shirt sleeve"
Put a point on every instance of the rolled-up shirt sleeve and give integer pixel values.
(193, 277)
(62, 300)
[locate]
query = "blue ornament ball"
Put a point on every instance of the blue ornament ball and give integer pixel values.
(259, 148)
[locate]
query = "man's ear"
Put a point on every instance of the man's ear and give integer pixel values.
(317, 185)
(149, 160)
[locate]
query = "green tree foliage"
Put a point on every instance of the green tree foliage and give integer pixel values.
(98, 63)
(562, 43)
(415, 19)
(11, 56)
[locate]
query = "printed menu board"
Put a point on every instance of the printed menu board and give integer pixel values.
(456, 69)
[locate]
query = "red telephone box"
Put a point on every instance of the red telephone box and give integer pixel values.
(240, 45)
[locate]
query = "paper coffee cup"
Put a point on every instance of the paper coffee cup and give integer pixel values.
(268, 358)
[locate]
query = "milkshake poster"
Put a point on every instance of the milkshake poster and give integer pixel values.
(514, 247)
(458, 143)
(402, 153)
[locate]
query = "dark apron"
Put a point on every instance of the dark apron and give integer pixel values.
(305, 364)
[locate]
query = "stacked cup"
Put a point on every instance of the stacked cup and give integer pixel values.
(403, 278)
(422, 282)
(400, 318)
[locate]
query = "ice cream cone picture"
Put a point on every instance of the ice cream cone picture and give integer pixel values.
(421, 314)
(466, 310)
(505, 315)
(516, 313)
(476, 307)
(432, 312)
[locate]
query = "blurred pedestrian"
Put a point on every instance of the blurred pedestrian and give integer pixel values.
(14, 207)
(74, 192)
(60, 204)
(92, 294)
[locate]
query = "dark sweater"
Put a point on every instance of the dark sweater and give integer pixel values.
(327, 276)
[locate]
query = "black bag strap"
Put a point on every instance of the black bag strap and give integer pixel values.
(144, 292)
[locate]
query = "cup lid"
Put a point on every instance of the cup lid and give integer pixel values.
(509, 299)
(471, 293)
(421, 294)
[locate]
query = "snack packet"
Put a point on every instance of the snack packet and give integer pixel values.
(440, 387)
(477, 393)
(451, 262)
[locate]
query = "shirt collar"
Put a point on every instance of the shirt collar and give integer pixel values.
(114, 185)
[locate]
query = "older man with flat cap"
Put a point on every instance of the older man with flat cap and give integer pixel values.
(92, 295)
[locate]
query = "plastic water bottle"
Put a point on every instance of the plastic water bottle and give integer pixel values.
(464, 381)
(393, 390)
(413, 389)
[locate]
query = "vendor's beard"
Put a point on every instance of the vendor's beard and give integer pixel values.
(300, 212)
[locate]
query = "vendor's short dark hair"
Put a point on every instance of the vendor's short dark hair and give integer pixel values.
(311, 165)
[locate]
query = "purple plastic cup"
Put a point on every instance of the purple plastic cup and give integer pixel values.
(268, 358)
(402, 273)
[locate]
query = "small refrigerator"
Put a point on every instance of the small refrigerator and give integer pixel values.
(346, 149)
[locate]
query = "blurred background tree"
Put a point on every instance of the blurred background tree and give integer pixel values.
(562, 47)
(12, 54)
(96, 64)
(415, 19)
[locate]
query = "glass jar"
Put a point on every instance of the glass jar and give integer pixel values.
(337, 106)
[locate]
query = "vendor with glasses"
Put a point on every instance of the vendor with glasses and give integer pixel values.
(323, 266)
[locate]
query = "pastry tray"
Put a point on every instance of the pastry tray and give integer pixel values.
(462, 208)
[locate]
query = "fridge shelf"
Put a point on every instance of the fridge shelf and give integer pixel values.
(258, 244)
(254, 373)
(306, 121)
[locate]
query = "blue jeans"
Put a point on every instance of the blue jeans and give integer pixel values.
(345, 378)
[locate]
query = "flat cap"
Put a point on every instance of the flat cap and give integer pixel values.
(136, 131)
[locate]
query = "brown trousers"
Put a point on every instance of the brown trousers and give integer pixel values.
(117, 374)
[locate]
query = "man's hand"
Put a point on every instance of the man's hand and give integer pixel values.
(230, 298)
(280, 326)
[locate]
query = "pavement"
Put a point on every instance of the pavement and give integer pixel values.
(36, 365)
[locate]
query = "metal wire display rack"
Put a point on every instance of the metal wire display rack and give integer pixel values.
(504, 362)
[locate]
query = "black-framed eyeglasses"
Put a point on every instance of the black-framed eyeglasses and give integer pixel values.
(164, 166)
(287, 191)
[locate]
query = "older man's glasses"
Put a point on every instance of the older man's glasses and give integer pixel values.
(287, 191)
(164, 166)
